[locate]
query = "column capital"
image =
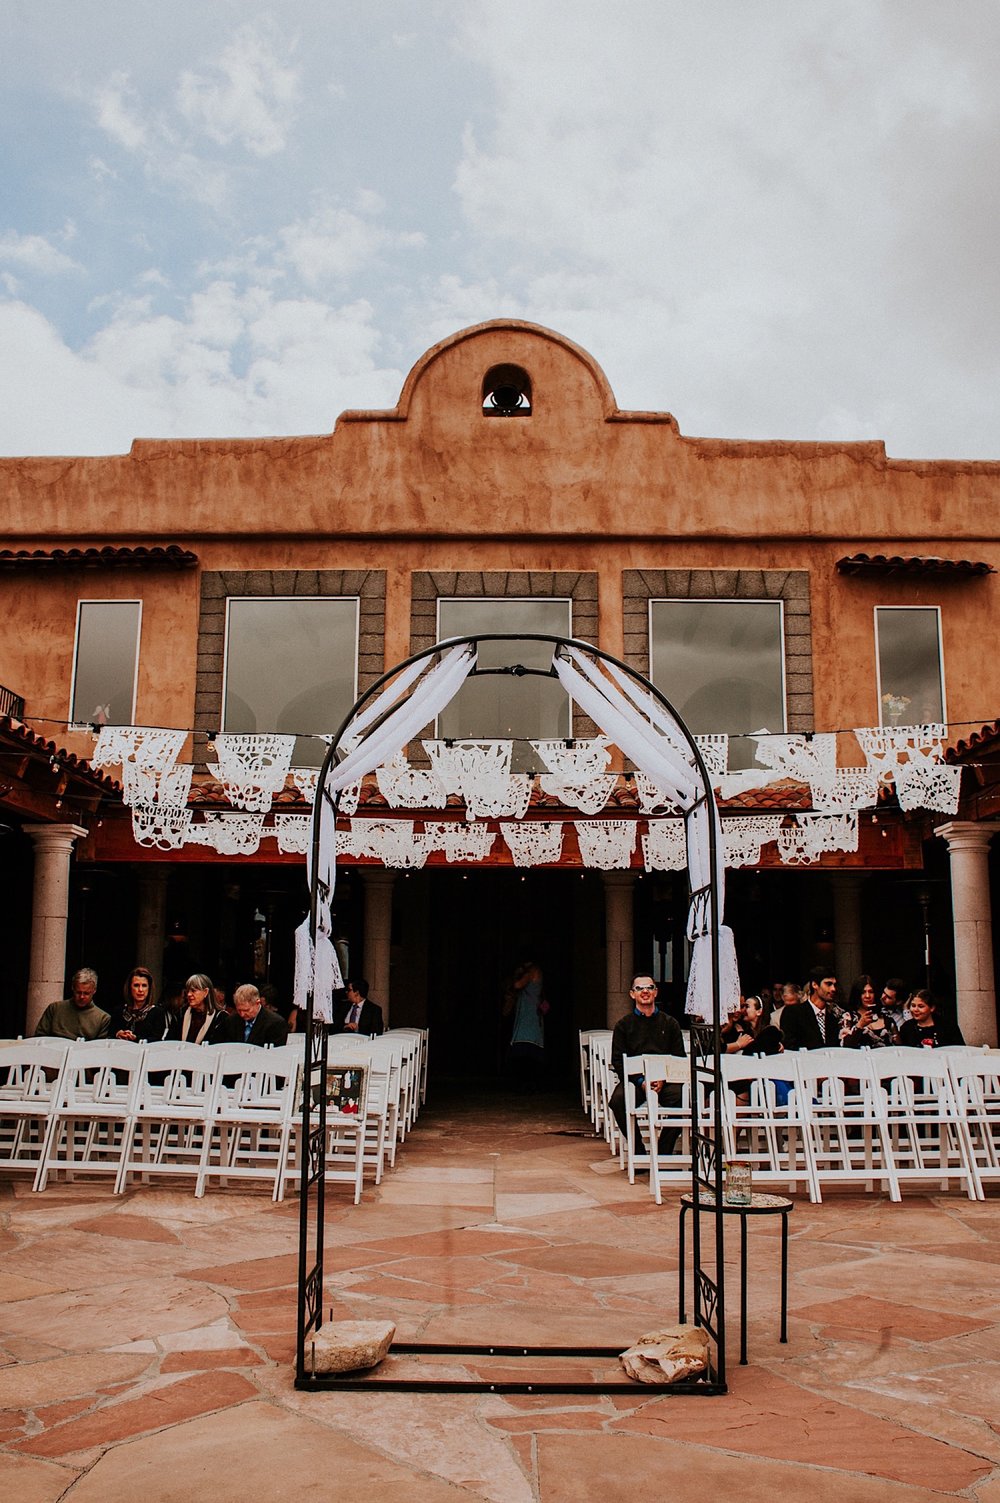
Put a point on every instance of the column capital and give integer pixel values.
(967, 834)
(55, 837)
(619, 879)
(376, 876)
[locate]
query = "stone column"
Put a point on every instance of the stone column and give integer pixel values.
(377, 884)
(968, 848)
(848, 957)
(151, 922)
(49, 914)
(618, 887)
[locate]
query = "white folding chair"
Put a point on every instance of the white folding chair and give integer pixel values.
(584, 1063)
(764, 1133)
(251, 1117)
(392, 1054)
(346, 1131)
(173, 1108)
(928, 1129)
(673, 1167)
(603, 1081)
(416, 1064)
(843, 1111)
(30, 1077)
(91, 1122)
(976, 1078)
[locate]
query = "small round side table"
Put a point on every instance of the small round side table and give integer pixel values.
(760, 1205)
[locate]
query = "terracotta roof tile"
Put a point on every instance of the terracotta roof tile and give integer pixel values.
(170, 557)
(881, 563)
(986, 739)
(16, 733)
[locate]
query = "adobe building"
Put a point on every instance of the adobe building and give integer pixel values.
(248, 586)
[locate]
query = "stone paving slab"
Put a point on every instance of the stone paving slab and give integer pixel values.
(146, 1342)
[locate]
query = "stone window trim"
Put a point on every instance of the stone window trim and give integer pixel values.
(430, 586)
(218, 586)
(791, 586)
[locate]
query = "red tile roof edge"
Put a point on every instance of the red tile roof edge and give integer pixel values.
(170, 556)
(22, 735)
(881, 563)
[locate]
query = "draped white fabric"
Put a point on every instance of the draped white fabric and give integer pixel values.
(641, 728)
(437, 688)
(431, 692)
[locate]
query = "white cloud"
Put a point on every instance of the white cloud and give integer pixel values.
(248, 96)
(331, 244)
(35, 254)
(771, 229)
(117, 108)
(233, 364)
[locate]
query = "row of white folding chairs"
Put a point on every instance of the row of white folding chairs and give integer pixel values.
(228, 1111)
(129, 1110)
(890, 1116)
(396, 1066)
(824, 1116)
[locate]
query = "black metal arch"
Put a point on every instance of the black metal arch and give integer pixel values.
(706, 1155)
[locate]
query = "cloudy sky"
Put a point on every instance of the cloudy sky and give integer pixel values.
(772, 218)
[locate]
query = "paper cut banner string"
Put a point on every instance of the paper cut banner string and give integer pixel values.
(228, 834)
(606, 844)
(534, 843)
(252, 769)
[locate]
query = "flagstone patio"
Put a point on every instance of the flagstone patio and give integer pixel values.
(147, 1342)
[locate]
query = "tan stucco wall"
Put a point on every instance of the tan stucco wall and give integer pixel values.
(436, 485)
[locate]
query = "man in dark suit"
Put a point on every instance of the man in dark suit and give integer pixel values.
(254, 1023)
(814, 1023)
(358, 1013)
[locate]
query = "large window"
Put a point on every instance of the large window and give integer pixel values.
(105, 662)
(505, 705)
(721, 665)
(910, 680)
(291, 666)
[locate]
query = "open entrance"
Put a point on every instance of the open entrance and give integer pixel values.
(482, 924)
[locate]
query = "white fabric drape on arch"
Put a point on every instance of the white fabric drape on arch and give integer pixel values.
(432, 693)
(641, 728)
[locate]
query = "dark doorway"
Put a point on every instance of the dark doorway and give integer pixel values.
(481, 924)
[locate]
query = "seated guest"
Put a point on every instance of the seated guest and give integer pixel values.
(814, 1023)
(645, 1030)
(254, 1023)
(893, 1000)
(358, 1014)
(862, 990)
(76, 1017)
(139, 1018)
(200, 1021)
(789, 995)
(864, 1026)
(758, 1036)
(923, 1029)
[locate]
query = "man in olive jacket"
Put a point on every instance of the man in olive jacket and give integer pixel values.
(645, 1030)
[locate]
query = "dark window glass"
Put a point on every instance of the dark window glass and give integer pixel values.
(909, 665)
(721, 665)
(107, 655)
(291, 666)
(501, 705)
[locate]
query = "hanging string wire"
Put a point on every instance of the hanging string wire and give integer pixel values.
(981, 722)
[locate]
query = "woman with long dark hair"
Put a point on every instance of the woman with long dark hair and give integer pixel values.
(139, 1018)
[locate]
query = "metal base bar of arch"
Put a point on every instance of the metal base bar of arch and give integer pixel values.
(368, 1379)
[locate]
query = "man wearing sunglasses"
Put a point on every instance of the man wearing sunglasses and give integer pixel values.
(645, 1030)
